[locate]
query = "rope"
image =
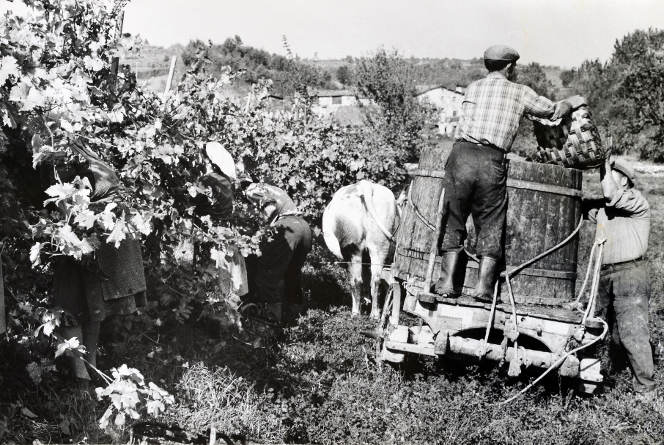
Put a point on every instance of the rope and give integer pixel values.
(417, 211)
(543, 254)
(595, 286)
(585, 280)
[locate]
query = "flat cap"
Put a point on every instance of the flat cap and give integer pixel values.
(501, 53)
(623, 168)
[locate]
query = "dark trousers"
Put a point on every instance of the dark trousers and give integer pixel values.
(276, 275)
(622, 300)
(475, 183)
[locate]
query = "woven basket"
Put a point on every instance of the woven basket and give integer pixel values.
(572, 141)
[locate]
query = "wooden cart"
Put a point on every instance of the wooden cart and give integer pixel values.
(537, 327)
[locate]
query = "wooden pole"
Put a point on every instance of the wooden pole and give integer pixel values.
(171, 72)
(115, 61)
(434, 243)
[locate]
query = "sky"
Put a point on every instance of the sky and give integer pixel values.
(550, 32)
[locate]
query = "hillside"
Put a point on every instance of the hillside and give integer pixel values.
(152, 63)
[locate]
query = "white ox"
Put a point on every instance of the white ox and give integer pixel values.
(361, 217)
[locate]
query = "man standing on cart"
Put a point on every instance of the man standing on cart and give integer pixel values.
(476, 169)
(623, 219)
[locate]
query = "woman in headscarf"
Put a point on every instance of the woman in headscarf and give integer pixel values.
(220, 178)
(110, 281)
(275, 276)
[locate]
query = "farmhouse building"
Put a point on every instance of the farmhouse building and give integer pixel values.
(447, 102)
(341, 105)
(329, 101)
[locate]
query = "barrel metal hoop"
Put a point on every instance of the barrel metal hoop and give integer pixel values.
(546, 273)
(440, 174)
(411, 253)
(548, 188)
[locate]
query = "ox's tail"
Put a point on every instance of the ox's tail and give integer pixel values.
(329, 229)
(364, 187)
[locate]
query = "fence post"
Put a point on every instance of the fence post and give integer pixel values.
(115, 61)
(171, 72)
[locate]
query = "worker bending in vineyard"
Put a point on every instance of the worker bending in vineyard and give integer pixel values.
(110, 282)
(220, 178)
(275, 277)
(476, 169)
(623, 219)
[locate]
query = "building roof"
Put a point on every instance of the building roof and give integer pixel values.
(333, 93)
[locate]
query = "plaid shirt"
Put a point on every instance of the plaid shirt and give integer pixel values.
(492, 108)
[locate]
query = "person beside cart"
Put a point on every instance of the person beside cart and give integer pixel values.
(476, 169)
(623, 219)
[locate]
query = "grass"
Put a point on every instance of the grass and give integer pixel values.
(321, 384)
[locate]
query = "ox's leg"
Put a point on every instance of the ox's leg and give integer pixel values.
(378, 257)
(355, 272)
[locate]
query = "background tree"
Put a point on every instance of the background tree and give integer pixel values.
(345, 74)
(532, 75)
(626, 93)
(639, 57)
(398, 120)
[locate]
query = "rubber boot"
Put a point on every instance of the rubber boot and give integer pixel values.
(486, 276)
(444, 287)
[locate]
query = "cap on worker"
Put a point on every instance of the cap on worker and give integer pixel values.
(623, 168)
(501, 53)
(220, 157)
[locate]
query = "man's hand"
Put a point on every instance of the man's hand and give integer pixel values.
(563, 108)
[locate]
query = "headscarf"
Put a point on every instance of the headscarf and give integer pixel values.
(262, 195)
(103, 180)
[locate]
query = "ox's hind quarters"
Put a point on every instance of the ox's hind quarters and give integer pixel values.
(358, 226)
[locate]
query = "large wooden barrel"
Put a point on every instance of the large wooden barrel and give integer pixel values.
(544, 208)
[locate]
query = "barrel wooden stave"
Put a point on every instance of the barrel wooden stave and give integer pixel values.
(414, 236)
